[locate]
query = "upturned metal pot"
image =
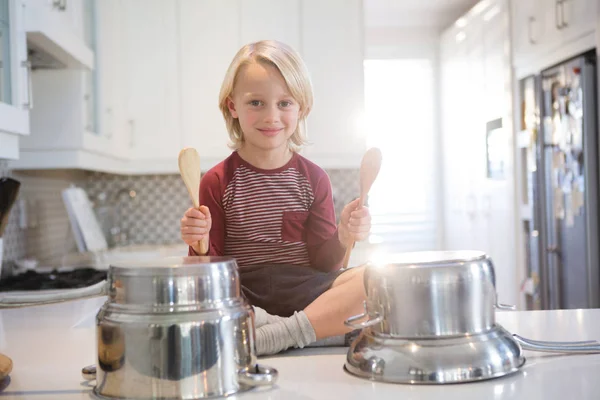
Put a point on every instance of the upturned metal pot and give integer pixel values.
(430, 294)
(431, 319)
(176, 328)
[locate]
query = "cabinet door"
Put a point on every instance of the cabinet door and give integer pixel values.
(152, 84)
(458, 205)
(205, 57)
(270, 19)
(576, 18)
(333, 49)
(111, 79)
(532, 22)
(14, 74)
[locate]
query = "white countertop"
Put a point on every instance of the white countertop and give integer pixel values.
(50, 344)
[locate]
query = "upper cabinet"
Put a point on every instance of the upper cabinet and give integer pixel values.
(15, 98)
(333, 49)
(57, 33)
(65, 131)
(547, 31)
(158, 71)
(205, 57)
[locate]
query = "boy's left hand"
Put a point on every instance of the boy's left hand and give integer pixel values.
(355, 225)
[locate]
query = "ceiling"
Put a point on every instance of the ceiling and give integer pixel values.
(414, 13)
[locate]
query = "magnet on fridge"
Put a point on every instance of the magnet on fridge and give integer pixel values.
(559, 209)
(577, 200)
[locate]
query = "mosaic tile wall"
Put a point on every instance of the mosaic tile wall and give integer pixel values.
(132, 209)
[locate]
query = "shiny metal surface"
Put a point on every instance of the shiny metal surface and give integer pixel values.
(587, 346)
(432, 294)
(434, 361)
(198, 282)
(176, 329)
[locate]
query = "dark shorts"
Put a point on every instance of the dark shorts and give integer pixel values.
(283, 289)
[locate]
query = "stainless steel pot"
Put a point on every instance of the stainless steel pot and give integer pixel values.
(432, 320)
(176, 328)
(430, 294)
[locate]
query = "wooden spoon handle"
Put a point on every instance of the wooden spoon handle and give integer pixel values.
(361, 202)
(203, 244)
(347, 255)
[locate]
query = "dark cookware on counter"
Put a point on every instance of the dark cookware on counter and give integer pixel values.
(176, 328)
(432, 320)
(9, 190)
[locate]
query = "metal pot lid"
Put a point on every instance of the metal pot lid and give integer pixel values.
(434, 361)
(431, 258)
(173, 266)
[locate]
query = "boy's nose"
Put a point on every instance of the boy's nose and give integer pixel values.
(271, 115)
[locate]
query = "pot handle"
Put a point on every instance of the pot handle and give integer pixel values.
(588, 346)
(259, 375)
(501, 306)
(89, 373)
(350, 321)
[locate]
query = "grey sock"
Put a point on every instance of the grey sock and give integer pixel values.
(295, 331)
(332, 341)
(261, 317)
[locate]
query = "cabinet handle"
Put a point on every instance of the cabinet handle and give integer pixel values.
(60, 4)
(557, 14)
(29, 103)
(563, 22)
(530, 30)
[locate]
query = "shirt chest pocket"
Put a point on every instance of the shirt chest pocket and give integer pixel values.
(293, 227)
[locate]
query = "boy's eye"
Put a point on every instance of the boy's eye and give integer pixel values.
(255, 103)
(285, 103)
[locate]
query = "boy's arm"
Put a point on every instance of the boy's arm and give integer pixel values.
(211, 197)
(325, 250)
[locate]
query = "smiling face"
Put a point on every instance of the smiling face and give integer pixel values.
(262, 103)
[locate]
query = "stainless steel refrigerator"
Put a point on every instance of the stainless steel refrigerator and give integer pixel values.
(559, 119)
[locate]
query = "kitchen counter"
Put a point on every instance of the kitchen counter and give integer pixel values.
(49, 345)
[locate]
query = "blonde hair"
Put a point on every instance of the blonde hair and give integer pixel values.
(294, 72)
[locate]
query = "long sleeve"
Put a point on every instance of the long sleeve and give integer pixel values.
(324, 248)
(211, 190)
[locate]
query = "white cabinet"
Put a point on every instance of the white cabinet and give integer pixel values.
(159, 68)
(333, 49)
(271, 19)
(205, 57)
(547, 31)
(14, 79)
(476, 98)
(152, 86)
(56, 30)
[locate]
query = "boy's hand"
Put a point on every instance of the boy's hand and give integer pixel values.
(195, 226)
(355, 225)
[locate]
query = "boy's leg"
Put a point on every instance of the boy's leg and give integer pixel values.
(323, 318)
(345, 299)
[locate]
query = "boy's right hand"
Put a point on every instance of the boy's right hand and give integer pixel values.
(195, 226)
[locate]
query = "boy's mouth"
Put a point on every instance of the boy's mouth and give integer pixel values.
(270, 131)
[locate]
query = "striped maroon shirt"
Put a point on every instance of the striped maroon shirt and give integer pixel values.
(280, 216)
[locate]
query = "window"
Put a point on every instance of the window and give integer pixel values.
(399, 105)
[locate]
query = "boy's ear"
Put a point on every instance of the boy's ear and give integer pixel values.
(231, 107)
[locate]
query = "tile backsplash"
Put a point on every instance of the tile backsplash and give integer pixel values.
(132, 209)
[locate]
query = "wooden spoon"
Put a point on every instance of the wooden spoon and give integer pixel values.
(6, 365)
(189, 168)
(369, 169)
